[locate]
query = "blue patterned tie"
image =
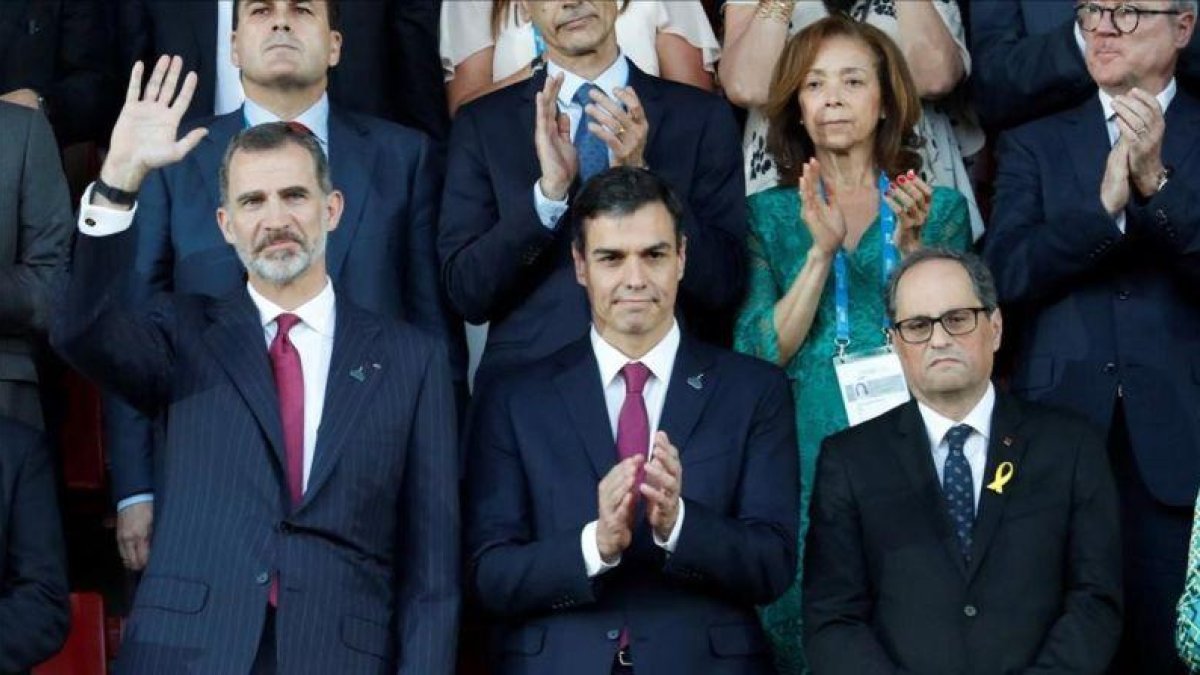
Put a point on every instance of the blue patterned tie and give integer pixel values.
(593, 153)
(958, 488)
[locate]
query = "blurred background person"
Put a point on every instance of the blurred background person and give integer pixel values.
(930, 36)
(841, 109)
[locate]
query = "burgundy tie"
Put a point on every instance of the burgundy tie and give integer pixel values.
(633, 425)
(289, 383)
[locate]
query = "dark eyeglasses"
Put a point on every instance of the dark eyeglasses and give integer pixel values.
(1124, 17)
(955, 322)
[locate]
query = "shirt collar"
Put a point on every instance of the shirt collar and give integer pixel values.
(617, 75)
(317, 313)
(979, 419)
(1164, 98)
(660, 359)
(316, 118)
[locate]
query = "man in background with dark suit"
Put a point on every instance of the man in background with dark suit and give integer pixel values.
(518, 156)
(383, 257)
(309, 522)
(1095, 244)
(34, 606)
(633, 496)
(965, 531)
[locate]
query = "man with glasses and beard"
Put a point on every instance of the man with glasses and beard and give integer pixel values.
(966, 530)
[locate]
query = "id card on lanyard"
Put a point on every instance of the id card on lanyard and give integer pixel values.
(870, 382)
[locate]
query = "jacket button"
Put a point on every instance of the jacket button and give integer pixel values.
(613, 634)
(1109, 368)
(262, 578)
(970, 611)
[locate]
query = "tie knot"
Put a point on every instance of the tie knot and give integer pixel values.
(300, 128)
(286, 322)
(583, 93)
(635, 374)
(957, 436)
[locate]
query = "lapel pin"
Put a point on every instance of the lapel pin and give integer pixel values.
(358, 373)
(696, 382)
(376, 366)
(1004, 473)
(1008, 441)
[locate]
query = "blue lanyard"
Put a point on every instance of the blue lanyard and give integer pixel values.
(841, 276)
(539, 43)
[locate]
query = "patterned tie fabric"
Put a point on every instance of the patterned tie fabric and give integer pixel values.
(958, 488)
(1187, 629)
(289, 384)
(593, 153)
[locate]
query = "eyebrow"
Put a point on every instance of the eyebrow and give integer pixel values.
(289, 191)
(660, 247)
(850, 69)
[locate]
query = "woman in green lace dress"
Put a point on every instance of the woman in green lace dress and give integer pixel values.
(842, 109)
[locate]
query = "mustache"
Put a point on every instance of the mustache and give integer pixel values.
(278, 237)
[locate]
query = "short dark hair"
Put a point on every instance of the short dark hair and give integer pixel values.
(981, 277)
(272, 136)
(330, 5)
(620, 191)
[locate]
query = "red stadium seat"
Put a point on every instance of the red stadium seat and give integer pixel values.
(84, 653)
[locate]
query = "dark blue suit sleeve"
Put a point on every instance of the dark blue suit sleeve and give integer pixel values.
(1172, 217)
(34, 607)
(1018, 77)
(427, 625)
(1032, 255)
(749, 554)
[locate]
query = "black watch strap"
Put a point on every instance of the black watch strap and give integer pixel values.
(112, 194)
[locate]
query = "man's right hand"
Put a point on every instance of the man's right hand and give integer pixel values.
(144, 137)
(552, 137)
(1114, 187)
(614, 527)
(135, 523)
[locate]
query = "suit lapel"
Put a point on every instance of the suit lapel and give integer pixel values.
(916, 460)
(582, 392)
(1182, 119)
(1006, 444)
(355, 370)
(236, 339)
(352, 159)
(692, 383)
(1086, 140)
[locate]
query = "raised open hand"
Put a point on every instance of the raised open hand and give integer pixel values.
(145, 135)
(820, 212)
(552, 137)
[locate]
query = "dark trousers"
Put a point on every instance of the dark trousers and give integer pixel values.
(1155, 560)
(265, 660)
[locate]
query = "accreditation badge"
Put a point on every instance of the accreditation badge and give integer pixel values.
(871, 383)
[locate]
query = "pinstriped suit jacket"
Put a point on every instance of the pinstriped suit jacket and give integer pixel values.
(368, 563)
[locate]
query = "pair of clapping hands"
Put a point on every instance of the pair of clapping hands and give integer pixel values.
(659, 481)
(1135, 161)
(909, 197)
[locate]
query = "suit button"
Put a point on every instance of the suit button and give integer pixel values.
(262, 578)
(90, 222)
(1123, 295)
(970, 611)
(1109, 368)
(613, 634)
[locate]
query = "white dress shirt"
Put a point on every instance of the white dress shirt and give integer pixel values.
(228, 94)
(549, 211)
(975, 448)
(661, 362)
(316, 118)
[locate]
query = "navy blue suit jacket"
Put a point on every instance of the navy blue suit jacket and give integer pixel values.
(500, 264)
(382, 256)
(368, 562)
(543, 444)
(1105, 314)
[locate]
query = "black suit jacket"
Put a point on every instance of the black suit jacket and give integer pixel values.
(34, 608)
(61, 49)
(887, 591)
(500, 264)
(390, 65)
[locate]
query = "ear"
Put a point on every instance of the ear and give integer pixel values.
(233, 51)
(682, 255)
(225, 222)
(580, 266)
(335, 204)
(1184, 26)
(997, 329)
(335, 48)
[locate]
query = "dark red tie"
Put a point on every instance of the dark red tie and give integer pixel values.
(633, 435)
(289, 384)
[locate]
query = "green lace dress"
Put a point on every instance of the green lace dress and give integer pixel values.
(778, 244)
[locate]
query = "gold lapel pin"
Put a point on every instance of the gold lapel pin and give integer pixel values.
(1004, 473)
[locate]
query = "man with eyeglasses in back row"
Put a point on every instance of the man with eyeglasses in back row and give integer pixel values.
(1095, 244)
(965, 531)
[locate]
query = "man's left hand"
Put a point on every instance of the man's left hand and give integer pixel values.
(25, 97)
(623, 129)
(1140, 120)
(663, 486)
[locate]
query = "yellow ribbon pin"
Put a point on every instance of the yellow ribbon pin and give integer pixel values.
(1004, 473)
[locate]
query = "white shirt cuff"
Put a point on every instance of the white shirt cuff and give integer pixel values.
(549, 211)
(100, 221)
(591, 552)
(1120, 220)
(135, 499)
(673, 540)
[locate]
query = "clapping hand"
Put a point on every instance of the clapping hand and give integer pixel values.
(910, 199)
(663, 487)
(1140, 119)
(622, 126)
(556, 153)
(820, 212)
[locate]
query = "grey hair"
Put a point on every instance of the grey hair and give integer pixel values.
(981, 277)
(1192, 6)
(272, 136)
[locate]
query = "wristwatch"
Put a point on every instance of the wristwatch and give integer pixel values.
(112, 194)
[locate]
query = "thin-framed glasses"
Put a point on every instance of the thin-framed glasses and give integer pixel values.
(1124, 17)
(955, 322)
